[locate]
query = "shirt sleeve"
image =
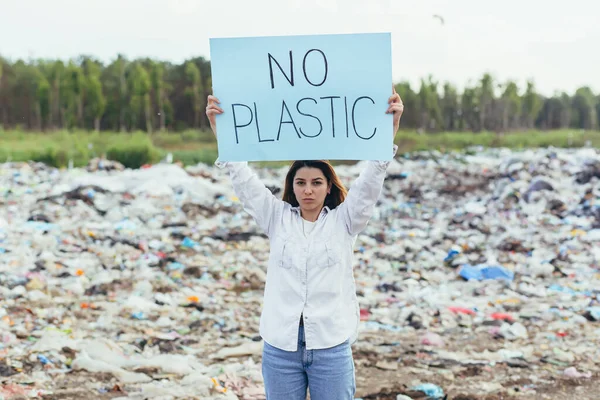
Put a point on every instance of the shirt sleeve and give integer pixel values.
(257, 199)
(357, 209)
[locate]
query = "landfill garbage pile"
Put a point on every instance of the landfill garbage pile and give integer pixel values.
(477, 279)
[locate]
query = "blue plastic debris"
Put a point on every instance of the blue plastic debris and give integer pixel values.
(187, 242)
(175, 266)
(138, 315)
(431, 391)
(557, 288)
(485, 272)
(43, 359)
(451, 254)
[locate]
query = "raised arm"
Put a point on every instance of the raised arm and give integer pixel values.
(257, 200)
(357, 209)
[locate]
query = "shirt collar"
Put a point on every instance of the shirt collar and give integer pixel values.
(324, 211)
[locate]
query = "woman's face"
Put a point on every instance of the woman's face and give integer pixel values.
(310, 188)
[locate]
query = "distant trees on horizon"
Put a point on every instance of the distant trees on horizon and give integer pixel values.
(150, 95)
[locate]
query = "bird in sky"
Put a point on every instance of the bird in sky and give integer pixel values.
(439, 17)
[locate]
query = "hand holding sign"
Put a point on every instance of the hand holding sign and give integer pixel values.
(212, 109)
(397, 108)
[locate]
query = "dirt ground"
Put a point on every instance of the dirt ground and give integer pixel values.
(517, 379)
(377, 384)
(386, 368)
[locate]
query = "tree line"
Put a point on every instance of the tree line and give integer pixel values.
(150, 95)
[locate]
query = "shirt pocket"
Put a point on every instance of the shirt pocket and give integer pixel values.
(327, 254)
(284, 253)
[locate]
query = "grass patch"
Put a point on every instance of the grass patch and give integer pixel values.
(193, 147)
(58, 148)
(206, 155)
(412, 141)
(133, 151)
(180, 140)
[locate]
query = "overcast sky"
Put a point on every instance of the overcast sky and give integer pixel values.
(554, 42)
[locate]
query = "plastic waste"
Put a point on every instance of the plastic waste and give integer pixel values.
(476, 267)
(432, 391)
(484, 272)
(572, 372)
(432, 339)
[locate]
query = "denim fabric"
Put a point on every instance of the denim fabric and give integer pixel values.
(327, 373)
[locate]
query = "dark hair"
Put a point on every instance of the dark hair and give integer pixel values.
(337, 194)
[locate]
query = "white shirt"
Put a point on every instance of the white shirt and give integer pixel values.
(309, 275)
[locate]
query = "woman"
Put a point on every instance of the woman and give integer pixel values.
(310, 314)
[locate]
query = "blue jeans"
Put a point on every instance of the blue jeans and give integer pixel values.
(327, 373)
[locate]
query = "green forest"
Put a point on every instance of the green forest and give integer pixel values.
(151, 95)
